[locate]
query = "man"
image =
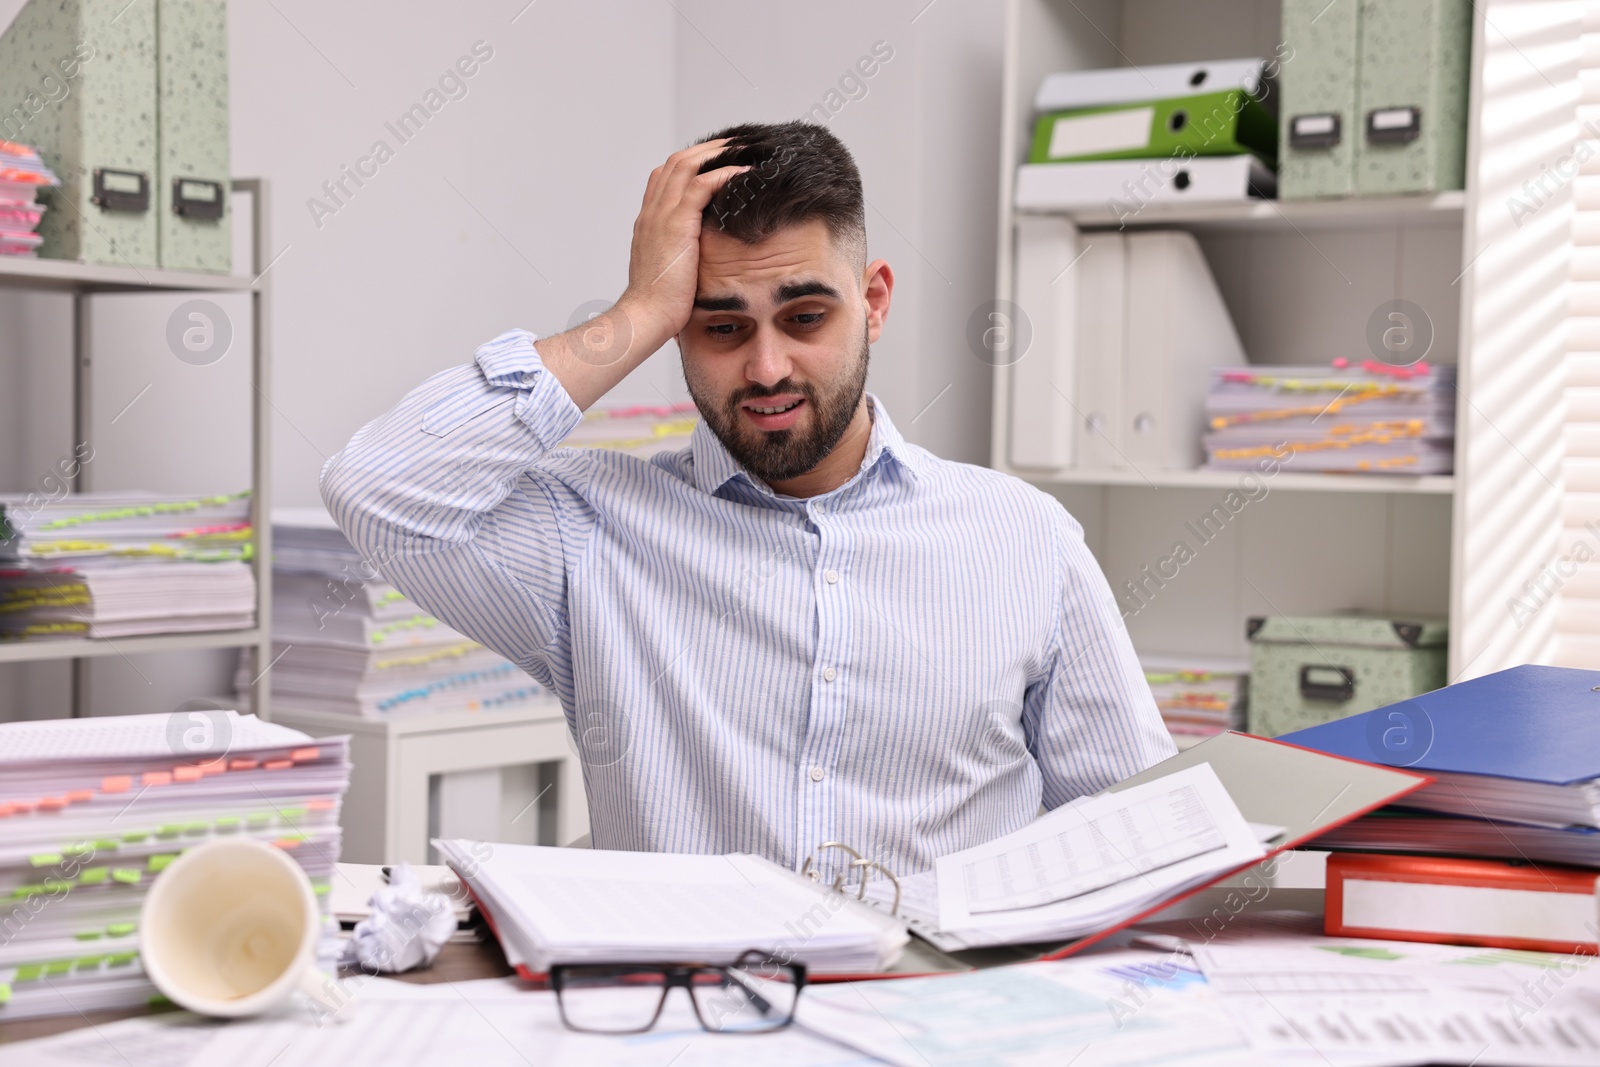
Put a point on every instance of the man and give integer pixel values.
(798, 629)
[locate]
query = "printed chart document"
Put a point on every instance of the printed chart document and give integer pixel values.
(1084, 866)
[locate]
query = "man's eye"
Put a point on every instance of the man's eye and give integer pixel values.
(722, 329)
(810, 318)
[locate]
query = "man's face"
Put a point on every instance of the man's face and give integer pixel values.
(775, 352)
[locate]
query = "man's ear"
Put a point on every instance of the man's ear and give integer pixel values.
(877, 287)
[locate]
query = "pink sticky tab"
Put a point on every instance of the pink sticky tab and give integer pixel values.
(21, 807)
(277, 764)
(52, 803)
(186, 774)
(287, 843)
(78, 796)
(156, 778)
(300, 755)
(214, 766)
(119, 783)
(319, 805)
(242, 765)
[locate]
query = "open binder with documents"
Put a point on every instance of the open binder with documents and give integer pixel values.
(1065, 881)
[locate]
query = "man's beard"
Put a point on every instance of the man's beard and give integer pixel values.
(778, 455)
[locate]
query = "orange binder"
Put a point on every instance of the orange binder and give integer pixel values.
(1462, 902)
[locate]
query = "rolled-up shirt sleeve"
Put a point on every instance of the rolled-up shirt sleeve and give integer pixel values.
(451, 498)
(1090, 720)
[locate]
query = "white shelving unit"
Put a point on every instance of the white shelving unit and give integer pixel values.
(1301, 279)
(85, 280)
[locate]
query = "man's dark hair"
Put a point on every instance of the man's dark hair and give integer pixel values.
(799, 171)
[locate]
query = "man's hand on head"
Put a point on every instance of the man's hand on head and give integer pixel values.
(664, 264)
(663, 269)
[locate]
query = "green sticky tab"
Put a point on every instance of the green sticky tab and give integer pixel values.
(93, 875)
(170, 830)
(5, 992)
(291, 814)
(157, 1001)
(45, 859)
(126, 875)
(82, 848)
(55, 967)
(89, 935)
(227, 822)
(29, 972)
(87, 963)
(259, 820)
(108, 844)
(133, 837)
(121, 929)
(28, 890)
(121, 958)
(321, 890)
(159, 863)
(196, 827)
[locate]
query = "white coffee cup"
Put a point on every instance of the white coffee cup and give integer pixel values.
(230, 928)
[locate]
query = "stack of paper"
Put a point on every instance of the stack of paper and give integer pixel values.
(640, 430)
(346, 641)
(1126, 136)
(1516, 758)
(1083, 867)
(569, 905)
(22, 175)
(93, 809)
(105, 565)
(1197, 699)
(1368, 418)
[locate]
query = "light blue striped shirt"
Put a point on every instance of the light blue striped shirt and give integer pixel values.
(911, 663)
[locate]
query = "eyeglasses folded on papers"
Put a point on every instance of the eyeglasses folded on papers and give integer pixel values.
(753, 994)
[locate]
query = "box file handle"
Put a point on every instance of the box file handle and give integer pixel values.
(1317, 682)
(121, 190)
(1394, 125)
(1315, 131)
(196, 198)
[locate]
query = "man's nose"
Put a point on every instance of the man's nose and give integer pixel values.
(766, 362)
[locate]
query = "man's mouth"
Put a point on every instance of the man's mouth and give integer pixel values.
(774, 412)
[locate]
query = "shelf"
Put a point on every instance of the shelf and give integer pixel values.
(1204, 479)
(1440, 209)
(69, 275)
(72, 648)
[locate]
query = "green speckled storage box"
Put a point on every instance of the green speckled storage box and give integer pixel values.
(193, 169)
(1415, 54)
(77, 80)
(1308, 670)
(1318, 83)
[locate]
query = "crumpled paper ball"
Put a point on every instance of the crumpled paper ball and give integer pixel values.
(406, 929)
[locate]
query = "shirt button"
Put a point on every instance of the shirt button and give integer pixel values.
(829, 674)
(831, 577)
(816, 774)
(527, 378)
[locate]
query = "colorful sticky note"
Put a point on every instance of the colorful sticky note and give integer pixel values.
(133, 837)
(117, 783)
(93, 875)
(159, 863)
(127, 875)
(45, 859)
(29, 972)
(121, 929)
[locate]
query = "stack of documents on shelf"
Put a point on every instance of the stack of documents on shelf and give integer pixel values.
(22, 175)
(1124, 137)
(640, 430)
(91, 810)
(1083, 867)
(105, 565)
(1197, 699)
(561, 905)
(1370, 417)
(1516, 755)
(346, 641)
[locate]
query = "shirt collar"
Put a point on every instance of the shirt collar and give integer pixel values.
(714, 467)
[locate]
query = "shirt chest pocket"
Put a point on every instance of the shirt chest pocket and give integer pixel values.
(445, 416)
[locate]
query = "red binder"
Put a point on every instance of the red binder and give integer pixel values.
(1462, 902)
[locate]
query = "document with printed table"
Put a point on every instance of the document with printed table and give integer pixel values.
(1067, 880)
